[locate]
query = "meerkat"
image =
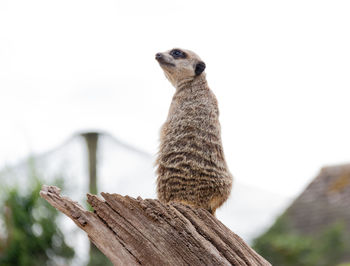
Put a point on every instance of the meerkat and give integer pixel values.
(191, 166)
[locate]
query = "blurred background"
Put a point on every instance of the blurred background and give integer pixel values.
(82, 101)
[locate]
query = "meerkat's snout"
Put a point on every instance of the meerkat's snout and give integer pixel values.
(164, 60)
(158, 56)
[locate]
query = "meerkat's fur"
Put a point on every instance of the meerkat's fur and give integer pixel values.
(191, 166)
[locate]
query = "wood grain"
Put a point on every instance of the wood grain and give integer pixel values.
(147, 232)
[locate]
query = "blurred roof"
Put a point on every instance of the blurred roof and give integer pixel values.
(325, 200)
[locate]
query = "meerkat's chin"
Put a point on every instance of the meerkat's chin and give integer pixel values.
(166, 64)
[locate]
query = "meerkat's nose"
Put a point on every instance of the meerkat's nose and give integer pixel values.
(158, 56)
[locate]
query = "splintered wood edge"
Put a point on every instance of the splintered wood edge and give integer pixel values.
(221, 237)
(98, 233)
(64, 204)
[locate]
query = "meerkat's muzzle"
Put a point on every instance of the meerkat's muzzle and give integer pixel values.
(162, 60)
(158, 56)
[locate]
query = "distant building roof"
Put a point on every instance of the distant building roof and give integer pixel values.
(325, 201)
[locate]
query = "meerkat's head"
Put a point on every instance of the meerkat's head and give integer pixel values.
(180, 65)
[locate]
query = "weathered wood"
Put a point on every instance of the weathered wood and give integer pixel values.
(135, 231)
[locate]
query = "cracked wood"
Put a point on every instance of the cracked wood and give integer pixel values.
(135, 231)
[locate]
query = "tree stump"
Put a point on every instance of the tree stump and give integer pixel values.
(147, 232)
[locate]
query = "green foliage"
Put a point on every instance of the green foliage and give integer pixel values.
(97, 258)
(32, 237)
(282, 246)
(28, 231)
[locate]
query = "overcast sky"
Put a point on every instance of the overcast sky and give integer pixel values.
(280, 71)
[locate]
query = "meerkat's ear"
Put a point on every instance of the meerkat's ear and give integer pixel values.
(200, 66)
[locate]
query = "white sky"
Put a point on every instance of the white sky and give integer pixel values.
(280, 70)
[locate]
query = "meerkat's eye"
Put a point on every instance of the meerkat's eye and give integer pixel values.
(176, 53)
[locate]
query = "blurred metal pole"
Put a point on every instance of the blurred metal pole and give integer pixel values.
(91, 139)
